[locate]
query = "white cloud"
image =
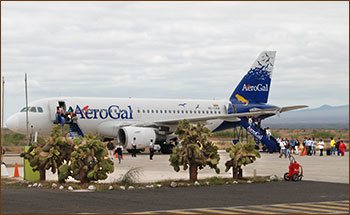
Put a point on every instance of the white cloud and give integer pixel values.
(174, 49)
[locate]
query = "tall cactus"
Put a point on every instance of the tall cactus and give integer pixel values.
(240, 155)
(51, 155)
(81, 158)
(88, 162)
(196, 151)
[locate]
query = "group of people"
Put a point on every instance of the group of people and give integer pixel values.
(118, 150)
(63, 116)
(310, 145)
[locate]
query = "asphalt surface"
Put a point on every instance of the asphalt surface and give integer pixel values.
(32, 200)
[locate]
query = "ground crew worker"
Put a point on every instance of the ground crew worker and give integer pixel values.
(133, 151)
(151, 150)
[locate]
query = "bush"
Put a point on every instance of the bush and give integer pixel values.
(322, 133)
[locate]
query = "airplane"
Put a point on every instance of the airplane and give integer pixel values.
(146, 119)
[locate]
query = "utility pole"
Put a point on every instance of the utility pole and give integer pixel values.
(26, 93)
(2, 115)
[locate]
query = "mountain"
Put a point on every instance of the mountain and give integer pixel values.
(326, 116)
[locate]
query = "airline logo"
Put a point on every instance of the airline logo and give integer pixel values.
(242, 99)
(255, 88)
(113, 112)
(255, 133)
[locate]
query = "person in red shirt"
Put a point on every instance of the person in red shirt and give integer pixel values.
(342, 147)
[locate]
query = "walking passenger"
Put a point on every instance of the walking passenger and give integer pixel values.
(292, 145)
(297, 146)
(342, 147)
(313, 146)
(327, 148)
(110, 148)
(119, 152)
(332, 146)
(151, 150)
(283, 148)
(268, 133)
(320, 146)
(133, 151)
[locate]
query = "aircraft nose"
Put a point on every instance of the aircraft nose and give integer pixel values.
(12, 123)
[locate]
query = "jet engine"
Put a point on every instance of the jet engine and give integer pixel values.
(143, 136)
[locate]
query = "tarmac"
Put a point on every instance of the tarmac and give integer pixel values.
(315, 168)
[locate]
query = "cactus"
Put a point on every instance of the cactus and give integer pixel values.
(81, 158)
(196, 151)
(53, 153)
(240, 155)
(88, 162)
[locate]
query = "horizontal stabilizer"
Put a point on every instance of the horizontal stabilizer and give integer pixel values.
(285, 109)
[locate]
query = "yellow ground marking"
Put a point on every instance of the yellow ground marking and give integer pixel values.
(212, 211)
(177, 212)
(306, 208)
(282, 210)
(336, 203)
(248, 210)
(334, 207)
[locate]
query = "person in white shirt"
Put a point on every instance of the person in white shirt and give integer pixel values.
(321, 146)
(133, 143)
(283, 147)
(268, 133)
(151, 149)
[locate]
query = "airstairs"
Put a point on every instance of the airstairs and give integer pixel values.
(259, 135)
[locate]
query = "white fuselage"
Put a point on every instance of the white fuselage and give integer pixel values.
(104, 116)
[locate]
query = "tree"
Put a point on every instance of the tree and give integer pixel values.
(88, 162)
(240, 155)
(195, 151)
(53, 153)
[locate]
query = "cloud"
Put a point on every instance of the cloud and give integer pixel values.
(173, 49)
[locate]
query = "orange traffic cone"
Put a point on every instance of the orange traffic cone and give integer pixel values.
(302, 152)
(16, 171)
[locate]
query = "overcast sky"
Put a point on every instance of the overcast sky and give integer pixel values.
(198, 50)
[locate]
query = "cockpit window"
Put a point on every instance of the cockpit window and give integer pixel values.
(23, 109)
(32, 109)
(40, 109)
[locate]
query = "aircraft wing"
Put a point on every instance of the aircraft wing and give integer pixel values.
(289, 108)
(226, 117)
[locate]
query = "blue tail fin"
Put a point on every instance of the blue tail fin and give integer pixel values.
(255, 85)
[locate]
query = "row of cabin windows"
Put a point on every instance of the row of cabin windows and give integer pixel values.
(33, 109)
(182, 111)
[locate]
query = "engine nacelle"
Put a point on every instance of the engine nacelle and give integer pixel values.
(143, 136)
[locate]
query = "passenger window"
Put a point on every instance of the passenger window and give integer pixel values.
(160, 111)
(219, 112)
(178, 111)
(147, 111)
(164, 111)
(156, 111)
(186, 111)
(152, 111)
(169, 111)
(190, 111)
(194, 111)
(32, 109)
(40, 109)
(182, 111)
(215, 111)
(211, 112)
(203, 111)
(207, 112)
(138, 111)
(143, 111)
